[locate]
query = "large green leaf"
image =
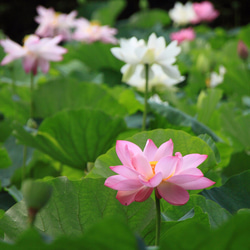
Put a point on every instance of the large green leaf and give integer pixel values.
(216, 214)
(233, 194)
(74, 137)
(15, 104)
(4, 158)
(108, 13)
(74, 207)
(183, 142)
(206, 104)
(16, 154)
(149, 18)
(239, 162)
(68, 93)
(177, 117)
(235, 126)
(96, 55)
(244, 34)
(197, 209)
(110, 233)
(197, 216)
(191, 234)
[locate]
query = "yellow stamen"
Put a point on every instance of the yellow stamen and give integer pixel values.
(95, 23)
(153, 164)
(169, 176)
(208, 82)
(25, 38)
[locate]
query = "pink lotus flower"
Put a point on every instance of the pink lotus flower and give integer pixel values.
(155, 168)
(183, 35)
(92, 31)
(52, 23)
(35, 52)
(204, 12)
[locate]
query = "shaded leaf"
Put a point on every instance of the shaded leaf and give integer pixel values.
(75, 206)
(15, 153)
(232, 195)
(179, 118)
(183, 142)
(149, 18)
(61, 94)
(74, 137)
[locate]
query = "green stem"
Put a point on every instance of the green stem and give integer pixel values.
(145, 98)
(24, 161)
(31, 95)
(158, 220)
(13, 82)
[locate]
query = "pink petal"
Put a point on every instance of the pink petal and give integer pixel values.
(166, 166)
(30, 64)
(166, 149)
(118, 182)
(143, 194)
(125, 171)
(125, 151)
(43, 64)
(126, 197)
(191, 171)
(142, 166)
(150, 150)
(7, 59)
(193, 160)
(182, 179)
(153, 182)
(199, 183)
(172, 193)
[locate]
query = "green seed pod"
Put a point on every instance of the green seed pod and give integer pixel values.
(36, 193)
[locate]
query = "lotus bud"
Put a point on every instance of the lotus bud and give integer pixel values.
(203, 63)
(36, 194)
(242, 50)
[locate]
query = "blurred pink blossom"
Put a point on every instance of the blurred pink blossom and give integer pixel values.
(242, 50)
(53, 23)
(89, 32)
(183, 35)
(35, 52)
(205, 12)
(155, 168)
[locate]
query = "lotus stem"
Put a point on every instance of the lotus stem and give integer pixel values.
(145, 98)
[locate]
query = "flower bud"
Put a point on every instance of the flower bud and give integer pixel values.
(242, 50)
(36, 194)
(203, 63)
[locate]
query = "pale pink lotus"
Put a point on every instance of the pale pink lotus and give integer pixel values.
(53, 23)
(155, 168)
(205, 12)
(183, 35)
(35, 52)
(90, 32)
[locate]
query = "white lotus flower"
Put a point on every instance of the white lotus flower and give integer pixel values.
(182, 14)
(156, 99)
(215, 78)
(136, 53)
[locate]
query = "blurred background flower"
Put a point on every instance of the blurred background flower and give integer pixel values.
(183, 35)
(89, 32)
(35, 52)
(53, 23)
